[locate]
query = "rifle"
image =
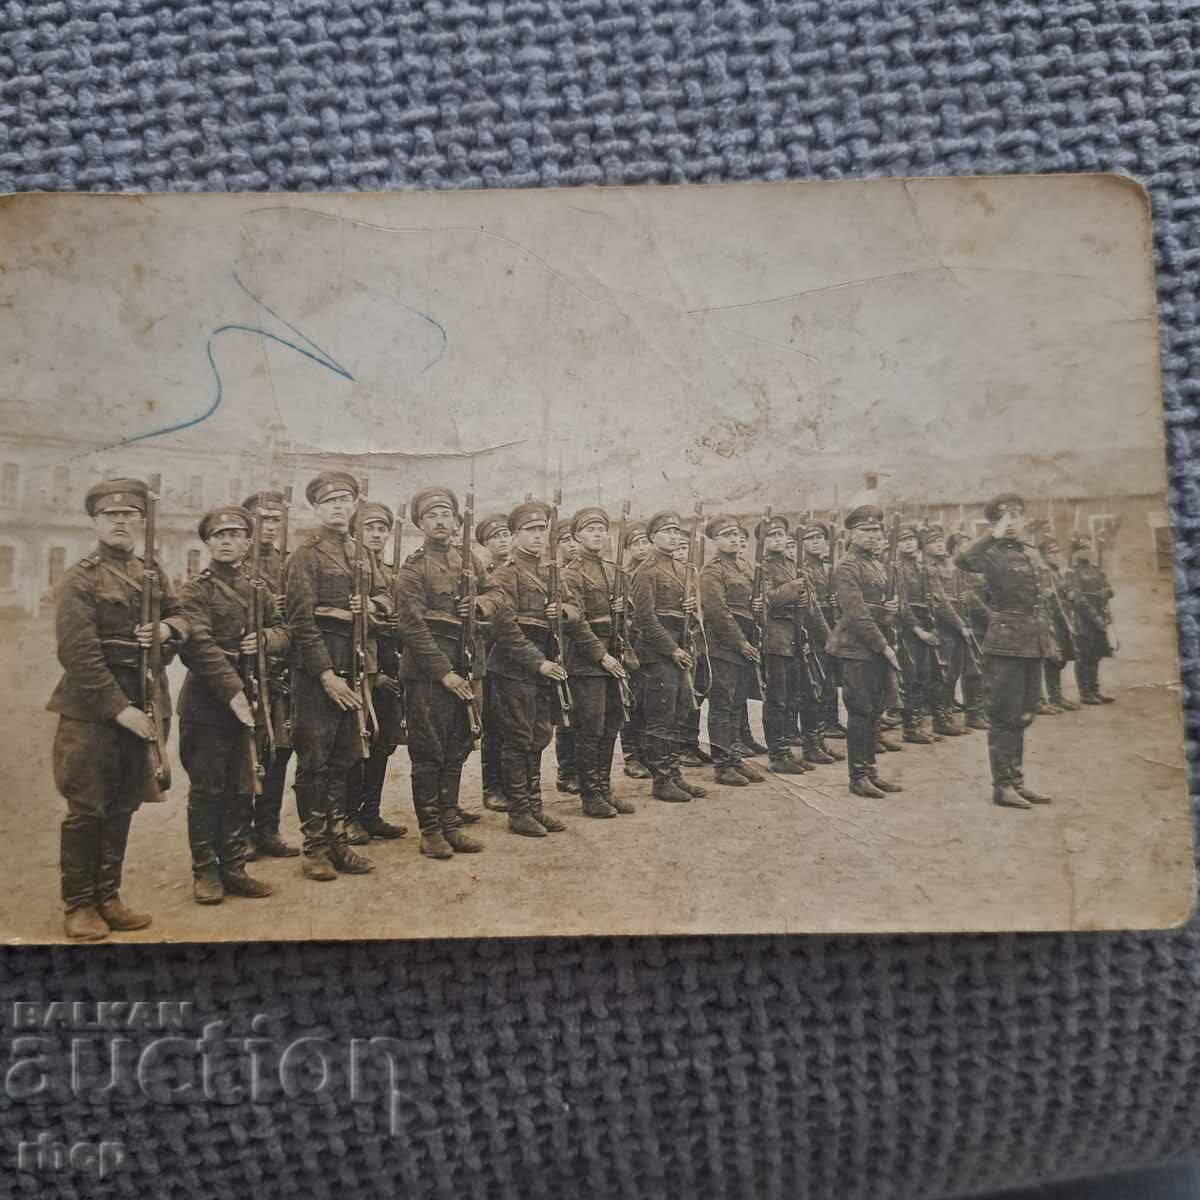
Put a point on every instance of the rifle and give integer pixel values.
(253, 668)
(466, 630)
(151, 656)
(618, 645)
(892, 632)
(939, 659)
(757, 592)
(281, 542)
(561, 686)
(693, 623)
(364, 715)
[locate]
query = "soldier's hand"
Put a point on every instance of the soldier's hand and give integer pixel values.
(249, 644)
(758, 606)
(892, 607)
(618, 604)
(132, 718)
(751, 653)
(454, 682)
(551, 670)
(339, 691)
(143, 633)
(552, 610)
(1002, 526)
(613, 666)
(356, 604)
(385, 683)
(925, 636)
(464, 607)
(691, 604)
(683, 660)
(890, 658)
(241, 710)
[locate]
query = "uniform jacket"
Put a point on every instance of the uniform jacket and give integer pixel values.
(99, 605)
(1012, 578)
(725, 590)
(791, 608)
(657, 589)
(427, 623)
(217, 622)
(1060, 600)
(950, 617)
(1091, 593)
(522, 640)
(591, 584)
(820, 580)
(860, 582)
(318, 582)
(923, 600)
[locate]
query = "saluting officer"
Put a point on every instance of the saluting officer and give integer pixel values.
(1018, 638)
(595, 675)
(1091, 592)
(493, 534)
(101, 761)
(264, 833)
(215, 720)
(321, 601)
(860, 640)
(387, 697)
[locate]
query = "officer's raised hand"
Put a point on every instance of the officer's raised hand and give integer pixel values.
(241, 709)
(132, 718)
(453, 682)
(552, 670)
(144, 633)
(339, 691)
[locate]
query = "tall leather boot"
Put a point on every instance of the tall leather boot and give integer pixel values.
(374, 775)
(236, 818)
(492, 778)
(860, 745)
(426, 793)
(564, 753)
(312, 803)
(450, 781)
(944, 723)
(204, 838)
(605, 748)
(1001, 746)
(79, 861)
(1017, 773)
(587, 764)
(114, 837)
(514, 764)
(533, 772)
(658, 760)
(344, 857)
(264, 834)
(913, 731)
(1101, 696)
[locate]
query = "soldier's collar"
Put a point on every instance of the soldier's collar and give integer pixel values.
(529, 554)
(112, 552)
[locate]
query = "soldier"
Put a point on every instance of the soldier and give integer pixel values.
(525, 677)
(321, 600)
(215, 719)
(596, 676)
(661, 603)
(950, 628)
(791, 618)
(567, 781)
(387, 697)
(687, 737)
(1091, 592)
(264, 833)
(918, 639)
(969, 587)
(101, 755)
(493, 534)
(1018, 638)
(633, 732)
(860, 640)
(816, 538)
(439, 697)
(1059, 598)
(745, 743)
(725, 595)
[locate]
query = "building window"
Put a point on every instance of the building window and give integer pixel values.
(193, 564)
(7, 559)
(58, 563)
(10, 479)
(196, 491)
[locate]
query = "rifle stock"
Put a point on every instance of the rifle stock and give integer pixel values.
(466, 632)
(619, 643)
(563, 689)
(151, 656)
(757, 594)
(364, 714)
(695, 641)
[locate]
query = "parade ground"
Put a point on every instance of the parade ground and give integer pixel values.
(794, 854)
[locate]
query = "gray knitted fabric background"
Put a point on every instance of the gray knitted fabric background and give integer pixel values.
(772, 1067)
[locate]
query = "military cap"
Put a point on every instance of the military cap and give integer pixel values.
(527, 512)
(232, 516)
(426, 498)
(488, 524)
(763, 528)
(816, 529)
(330, 483)
(930, 533)
(1046, 545)
(371, 510)
(719, 524)
(270, 499)
(116, 493)
(565, 534)
(999, 505)
(956, 539)
(862, 515)
(666, 519)
(1080, 541)
(634, 531)
(908, 529)
(586, 515)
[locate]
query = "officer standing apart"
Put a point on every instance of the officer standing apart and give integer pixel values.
(215, 720)
(1018, 638)
(321, 603)
(101, 757)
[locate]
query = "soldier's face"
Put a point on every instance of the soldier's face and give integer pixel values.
(375, 535)
(868, 537)
(438, 524)
(532, 537)
(500, 545)
(743, 542)
(334, 511)
(907, 545)
(228, 545)
(936, 547)
(568, 549)
(816, 545)
(593, 536)
(680, 553)
(729, 541)
(120, 528)
(1050, 556)
(666, 539)
(639, 548)
(1084, 553)
(790, 548)
(776, 541)
(272, 522)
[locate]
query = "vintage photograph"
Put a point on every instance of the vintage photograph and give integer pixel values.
(767, 558)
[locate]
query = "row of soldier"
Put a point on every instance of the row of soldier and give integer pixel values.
(493, 634)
